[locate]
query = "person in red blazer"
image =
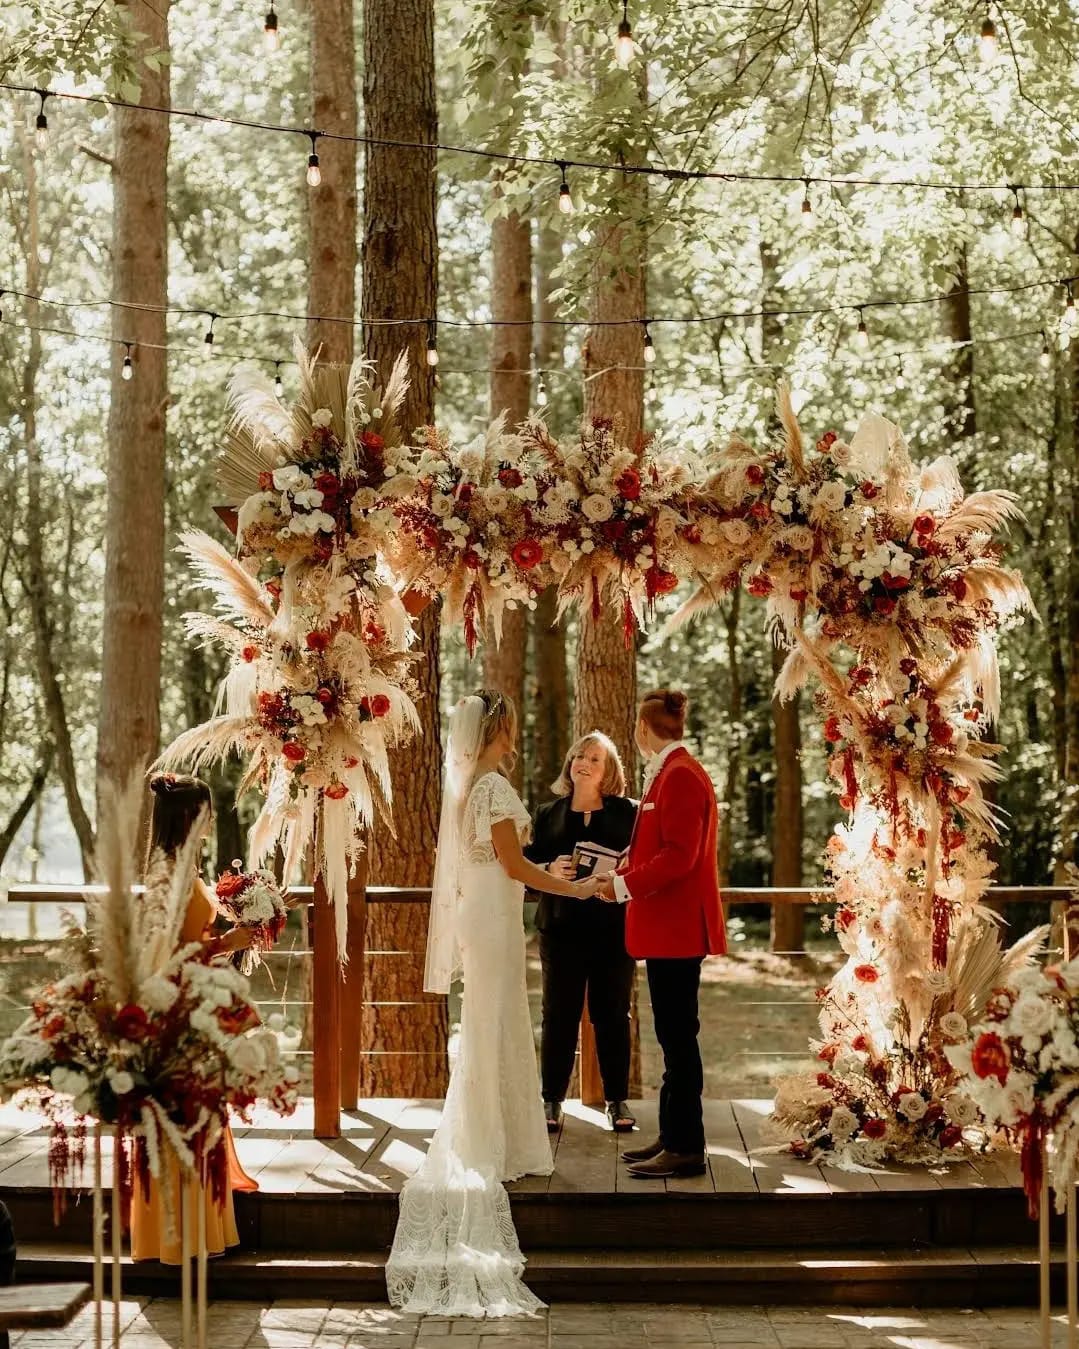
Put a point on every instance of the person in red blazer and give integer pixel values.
(670, 882)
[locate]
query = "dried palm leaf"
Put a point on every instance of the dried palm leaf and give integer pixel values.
(237, 593)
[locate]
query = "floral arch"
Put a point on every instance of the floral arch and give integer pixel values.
(883, 580)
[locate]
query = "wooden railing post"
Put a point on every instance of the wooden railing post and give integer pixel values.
(352, 989)
(326, 1016)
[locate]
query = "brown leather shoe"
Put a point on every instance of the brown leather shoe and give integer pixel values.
(643, 1154)
(666, 1164)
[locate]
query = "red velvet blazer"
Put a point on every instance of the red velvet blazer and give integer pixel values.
(672, 872)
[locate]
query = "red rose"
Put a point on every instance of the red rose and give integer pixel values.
(628, 483)
(951, 1136)
(884, 604)
(691, 534)
(231, 883)
(52, 1028)
(799, 593)
(891, 582)
(250, 653)
(866, 974)
(860, 1044)
(527, 554)
(827, 441)
(266, 481)
(510, 477)
(828, 1053)
(371, 440)
(337, 791)
(377, 704)
(990, 1057)
(869, 490)
(941, 732)
(755, 474)
(472, 559)
(325, 696)
(925, 524)
(759, 586)
(874, 1128)
(845, 918)
(660, 582)
(825, 1080)
(933, 1113)
(760, 510)
(373, 634)
(464, 493)
(329, 484)
(860, 676)
(317, 641)
(832, 731)
(131, 1022)
(293, 751)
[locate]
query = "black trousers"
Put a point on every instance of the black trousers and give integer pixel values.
(580, 957)
(674, 985)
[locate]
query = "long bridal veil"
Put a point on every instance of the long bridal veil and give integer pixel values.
(455, 1251)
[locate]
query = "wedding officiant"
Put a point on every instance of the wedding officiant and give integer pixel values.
(582, 943)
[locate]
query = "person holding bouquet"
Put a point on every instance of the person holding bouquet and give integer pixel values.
(582, 943)
(180, 803)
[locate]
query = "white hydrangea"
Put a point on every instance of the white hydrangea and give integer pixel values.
(322, 417)
(157, 994)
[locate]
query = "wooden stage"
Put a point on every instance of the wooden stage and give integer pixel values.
(759, 1227)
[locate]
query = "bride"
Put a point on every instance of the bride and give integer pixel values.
(455, 1252)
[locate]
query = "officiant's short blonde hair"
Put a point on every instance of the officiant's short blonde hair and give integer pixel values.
(614, 774)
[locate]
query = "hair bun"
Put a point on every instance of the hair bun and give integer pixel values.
(675, 701)
(162, 783)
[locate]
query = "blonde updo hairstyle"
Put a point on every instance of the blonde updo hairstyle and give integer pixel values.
(499, 714)
(614, 773)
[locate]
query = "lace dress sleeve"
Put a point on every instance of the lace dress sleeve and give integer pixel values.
(494, 800)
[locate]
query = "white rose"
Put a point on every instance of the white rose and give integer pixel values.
(121, 1083)
(953, 1025)
(799, 537)
(666, 525)
(441, 505)
(937, 981)
(912, 1105)
(1032, 1017)
(831, 497)
(961, 1109)
(323, 417)
(735, 532)
(496, 498)
(364, 499)
(597, 507)
(842, 1123)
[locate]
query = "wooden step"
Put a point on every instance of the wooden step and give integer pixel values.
(1001, 1276)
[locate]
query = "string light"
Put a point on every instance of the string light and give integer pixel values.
(209, 338)
(1069, 317)
(807, 206)
(541, 392)
(649, 345)
(278, 385)
(1046, 357)
(624, 46)
(314, 173)
(988, 47)
(1019, 220)
(271, 36)
(861, 337)
(41, 126)
(127, 370)
(565, 199)
(432, 344)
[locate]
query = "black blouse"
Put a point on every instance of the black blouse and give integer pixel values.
(557, 831)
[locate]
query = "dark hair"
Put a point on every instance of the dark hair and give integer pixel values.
(178, 801)
(664, 713)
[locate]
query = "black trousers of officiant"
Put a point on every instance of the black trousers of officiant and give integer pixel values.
(586, 951)
(674, 986)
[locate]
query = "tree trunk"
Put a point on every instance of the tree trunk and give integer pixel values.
(332, 219)
(26, 804)
(961, 420)
(1069, 840)
(129, 725)
(400, 276)
(788, 920)
(36, 576)
(511, 387)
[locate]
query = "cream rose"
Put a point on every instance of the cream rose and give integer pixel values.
(842, 1123)
(953, 1025)
(735, 532)
(597, 507)
(912, 1105)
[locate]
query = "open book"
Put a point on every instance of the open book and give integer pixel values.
(593, 859)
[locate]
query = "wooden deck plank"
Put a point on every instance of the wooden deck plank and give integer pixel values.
(729, 1164)
(587, 1154)
(899, 1177)
(341, 1168)
(647, 1113)
(400, 1152)
(774, 1172)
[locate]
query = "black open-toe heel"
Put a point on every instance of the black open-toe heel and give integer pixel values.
(552, 1112)
(622, 1122)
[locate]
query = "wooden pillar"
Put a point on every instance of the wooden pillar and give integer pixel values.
(591, 1082)
(326, 1015)
(352, 988)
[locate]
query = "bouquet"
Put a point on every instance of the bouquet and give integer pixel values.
(252, 900)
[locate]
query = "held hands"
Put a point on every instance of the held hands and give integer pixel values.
(587, 888)
(563, 867)
(605, 890)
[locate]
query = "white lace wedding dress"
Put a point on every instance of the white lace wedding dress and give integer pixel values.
(455, 1251)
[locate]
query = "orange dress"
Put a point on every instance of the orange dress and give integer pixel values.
(149, 1240)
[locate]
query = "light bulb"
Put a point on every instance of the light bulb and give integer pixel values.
(1019, 222)
(807, 207)
(1045, 358)
(861, 337)
(988, 47)
(127, 370)
(432, 345)
(649, 347)
(624, 47)
(541, 395)
(271, 34)
(565, 200)
(278, 386)
(41, 132)
(314, 173)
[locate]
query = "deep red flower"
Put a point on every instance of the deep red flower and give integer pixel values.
(891, 582)
(827, 441)
(431, 536)
(941, 732)
(691, 534)
(293, 751)
(860, 1044)
(845, 918)
(833, 733)
(373, 634)
(325, 696)
(951, 1136)
(378, 704)
(465, 493)
(231, 883)
(874, 1127)
(933, 1112)
(847, 801)
(755, 474)
(371, 440)
(828, 1053)
(825, 1080)
(866, 974)
(250, 653)
(869, 490)
(337, 791)
(527, 554)
(860, 676)
(759, 586)
(329, 484)
(52, 1027)
(990, 1057)
(660, 582)
(760, 510)
(510, 477)
(472, 559)
(317, 641)
(924, 524)
(799, 593)
(959, 589)
(884, 604)
(131, 1022)
(909, 666)
(628, 483)
(266, 481)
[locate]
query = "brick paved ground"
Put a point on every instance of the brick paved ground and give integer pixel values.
(155, 1324)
